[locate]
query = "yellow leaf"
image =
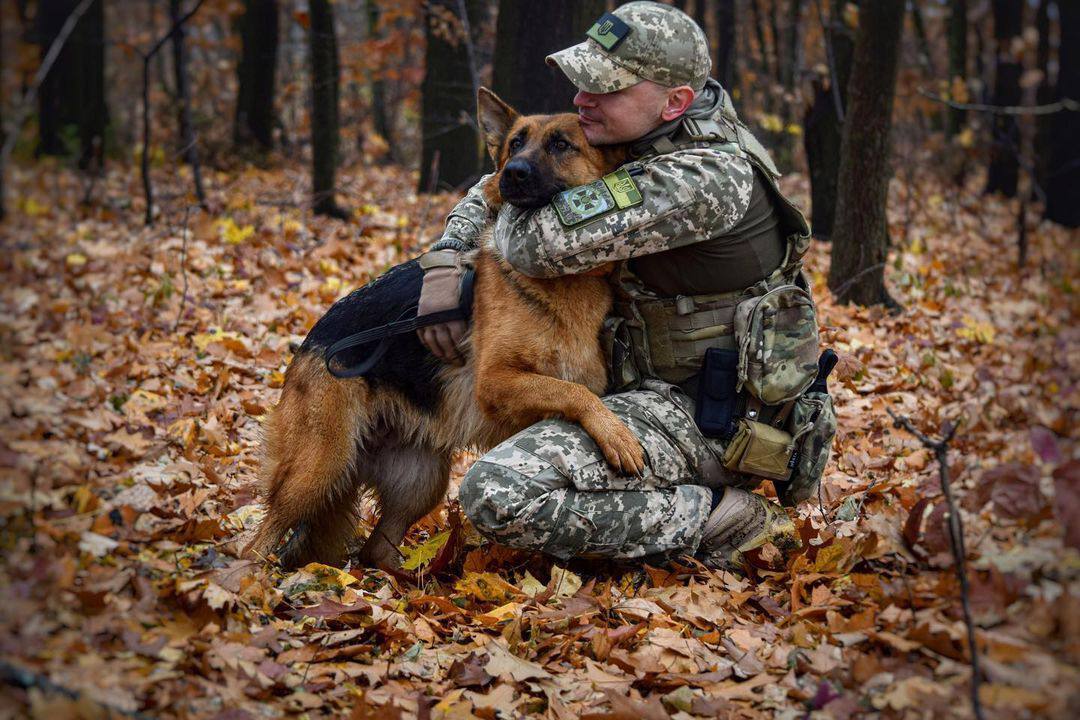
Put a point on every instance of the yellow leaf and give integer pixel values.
(276, 379)
(331, 287)
(85, 500)
(531, 586)
(981, 332)
(75, 260)
(486, 586)
(329, 575)
(565, 582)
(230, 340)
(234, 234)
(793, 129)
(503, 612)
(33, 208)
(424, 553)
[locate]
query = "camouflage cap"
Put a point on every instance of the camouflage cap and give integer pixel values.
(639, 41)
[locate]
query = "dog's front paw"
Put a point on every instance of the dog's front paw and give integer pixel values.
(619, 445)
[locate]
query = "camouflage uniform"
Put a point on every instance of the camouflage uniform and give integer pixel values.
(548, 488)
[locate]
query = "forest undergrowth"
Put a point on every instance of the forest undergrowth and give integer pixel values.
(137, 364)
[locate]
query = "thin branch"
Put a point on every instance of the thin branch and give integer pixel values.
(831, 59)
(19, 677)
(147, 57)
(30, 97)
(956, 541)
(1063, 104)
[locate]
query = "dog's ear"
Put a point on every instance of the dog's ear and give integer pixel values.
(496, 119)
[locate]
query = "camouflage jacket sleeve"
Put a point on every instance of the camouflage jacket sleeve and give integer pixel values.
(465, 222)
(685, 197)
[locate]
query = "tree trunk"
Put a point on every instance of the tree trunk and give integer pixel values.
(1063, 174)
(822, 126)
(957, 31)
(527, 32)
(763, 45)
(861, 236)
(726, 16)
(382, 113)
(325, 72)
(255, 117)
(183, 95)
(1004, 169)
(452, 153)
(1044, 94)
(3, 136)
(926, 56)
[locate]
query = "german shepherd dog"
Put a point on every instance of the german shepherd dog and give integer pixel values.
(533, 353)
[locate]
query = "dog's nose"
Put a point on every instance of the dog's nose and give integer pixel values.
(518, 170)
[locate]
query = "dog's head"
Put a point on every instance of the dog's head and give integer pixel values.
(538, 156)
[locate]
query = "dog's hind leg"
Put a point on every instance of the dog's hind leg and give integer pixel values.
(410, 482)
(311, 466)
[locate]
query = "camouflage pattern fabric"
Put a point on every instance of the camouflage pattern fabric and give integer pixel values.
(817, 408)
(777, 336)
(549, 489)
(467, 220)
(687, 196)
(638, 41)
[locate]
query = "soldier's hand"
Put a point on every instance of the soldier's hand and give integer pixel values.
(441, 291)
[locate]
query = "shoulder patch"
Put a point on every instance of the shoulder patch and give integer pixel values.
(583, 202)
(623, 189)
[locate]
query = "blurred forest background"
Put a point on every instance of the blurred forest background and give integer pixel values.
(188, 185)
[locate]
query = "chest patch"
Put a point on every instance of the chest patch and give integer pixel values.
(580, 204)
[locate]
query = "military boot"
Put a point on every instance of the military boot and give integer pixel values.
(740, 522)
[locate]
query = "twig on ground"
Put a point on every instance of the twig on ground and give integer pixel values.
(19, 677)
(183, 266)
(956, 540)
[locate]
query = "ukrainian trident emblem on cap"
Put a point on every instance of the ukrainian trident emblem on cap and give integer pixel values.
(609, 31)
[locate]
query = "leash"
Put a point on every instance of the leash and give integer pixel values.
(384, 333)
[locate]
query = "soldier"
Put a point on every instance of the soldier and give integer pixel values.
(704, 227)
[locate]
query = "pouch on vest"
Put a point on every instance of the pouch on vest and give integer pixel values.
(814, 410)
(777, 337)
(617, 346)
(762, 450)
(714, 409)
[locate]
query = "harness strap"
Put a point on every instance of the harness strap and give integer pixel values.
(383, 333)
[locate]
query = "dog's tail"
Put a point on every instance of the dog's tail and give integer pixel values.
(310, 478)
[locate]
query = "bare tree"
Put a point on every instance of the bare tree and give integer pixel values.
(526, 33)
(452, 154)
(1063, 174)
(1004, 171)
(861, 236)
(188, 150)
(325, 134)
(256, 71)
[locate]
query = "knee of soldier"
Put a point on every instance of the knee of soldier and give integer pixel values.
(490, 495)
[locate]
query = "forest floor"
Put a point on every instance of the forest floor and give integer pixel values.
(136, 365)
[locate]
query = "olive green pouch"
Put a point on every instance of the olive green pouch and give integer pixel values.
(760, 449)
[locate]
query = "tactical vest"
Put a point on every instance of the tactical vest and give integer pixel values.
(668, 337)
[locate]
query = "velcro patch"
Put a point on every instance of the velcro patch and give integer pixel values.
(584, 202)
(609, 31)
(623, 189)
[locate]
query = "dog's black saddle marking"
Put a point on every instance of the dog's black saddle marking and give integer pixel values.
(397, 359)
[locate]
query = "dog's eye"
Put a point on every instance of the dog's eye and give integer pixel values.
(516, 143)
(562, 145)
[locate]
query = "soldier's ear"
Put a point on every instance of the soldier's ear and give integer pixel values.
(496, 119)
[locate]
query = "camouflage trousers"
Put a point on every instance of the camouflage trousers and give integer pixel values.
(549, 489)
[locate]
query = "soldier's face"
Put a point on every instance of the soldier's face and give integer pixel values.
(621, 116)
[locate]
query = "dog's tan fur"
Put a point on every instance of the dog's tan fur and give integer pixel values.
(533, 353)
